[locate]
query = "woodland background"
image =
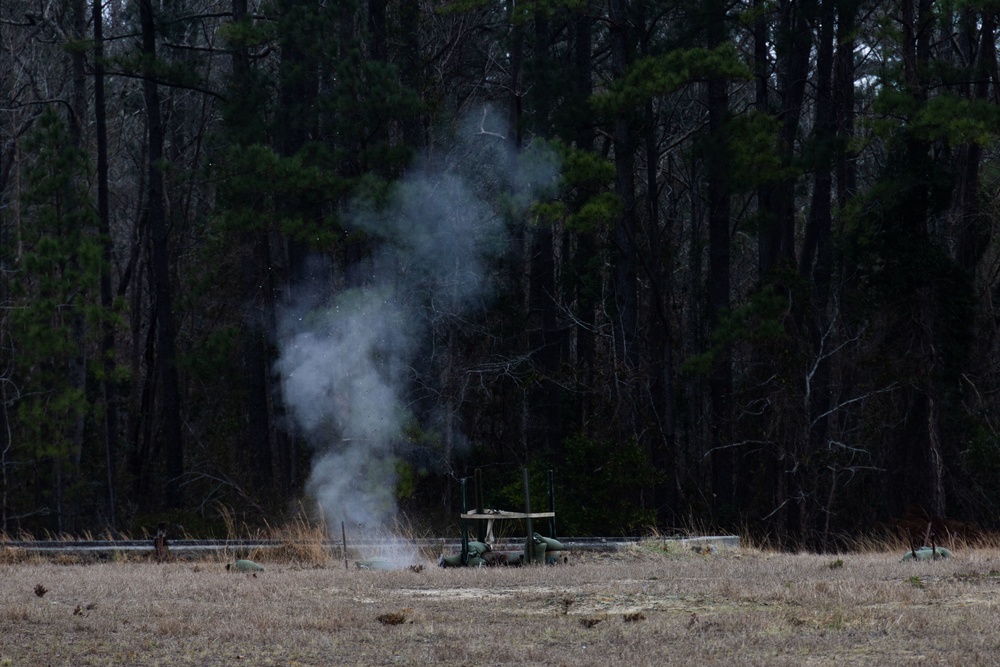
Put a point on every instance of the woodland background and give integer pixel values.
(758, 293)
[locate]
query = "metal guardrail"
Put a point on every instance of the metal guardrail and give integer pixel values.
(110, 547)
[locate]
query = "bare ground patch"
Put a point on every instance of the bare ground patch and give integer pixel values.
(641, 607)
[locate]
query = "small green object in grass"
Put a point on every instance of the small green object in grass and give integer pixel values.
(926, 553)
(376, 563)
(244, 565)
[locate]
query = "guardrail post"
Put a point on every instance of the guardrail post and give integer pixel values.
(552, 505)
(529, 542)
(465, 526)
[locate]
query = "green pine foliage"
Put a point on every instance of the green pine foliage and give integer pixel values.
(257, 184)
(585, 202)
(601, 488)
(655, 76)
(761, 320)
(753, 149)
(54, 326)
(826, 175)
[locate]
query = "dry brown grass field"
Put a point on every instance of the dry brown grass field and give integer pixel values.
(636, 607)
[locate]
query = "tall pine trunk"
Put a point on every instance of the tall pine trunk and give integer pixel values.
(109, 391)
(625, 313)
(717, 184)
(169, 431)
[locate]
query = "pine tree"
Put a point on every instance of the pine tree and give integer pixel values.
(57, 321)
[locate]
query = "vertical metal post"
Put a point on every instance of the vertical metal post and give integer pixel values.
(343, 539)
(465, 526)
(552, 505)
(529, 543)
(480, 525)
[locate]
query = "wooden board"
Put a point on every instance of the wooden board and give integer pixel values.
(509, 515)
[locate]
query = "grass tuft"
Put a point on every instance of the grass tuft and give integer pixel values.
(302, 542)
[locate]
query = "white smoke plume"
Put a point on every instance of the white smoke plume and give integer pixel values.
(345, 356)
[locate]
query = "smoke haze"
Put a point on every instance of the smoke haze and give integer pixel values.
(346, 354)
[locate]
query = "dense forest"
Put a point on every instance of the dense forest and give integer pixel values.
(713, 264)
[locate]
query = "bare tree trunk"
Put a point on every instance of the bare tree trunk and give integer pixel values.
(843, 101)
(170, 431)
(107, 345)
(585, 245)
(815, 267)
(815, 257)
(718, 197)
(792, 44)
(409, 17)
(925, 473)
(663, 452)
(973, 232)
(625, 315)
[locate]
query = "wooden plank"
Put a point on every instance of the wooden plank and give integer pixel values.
(508, 515)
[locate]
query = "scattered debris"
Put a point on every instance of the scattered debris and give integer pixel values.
(40, 590)
(244, 565)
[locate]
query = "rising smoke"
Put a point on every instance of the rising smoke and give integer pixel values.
(347, 353)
